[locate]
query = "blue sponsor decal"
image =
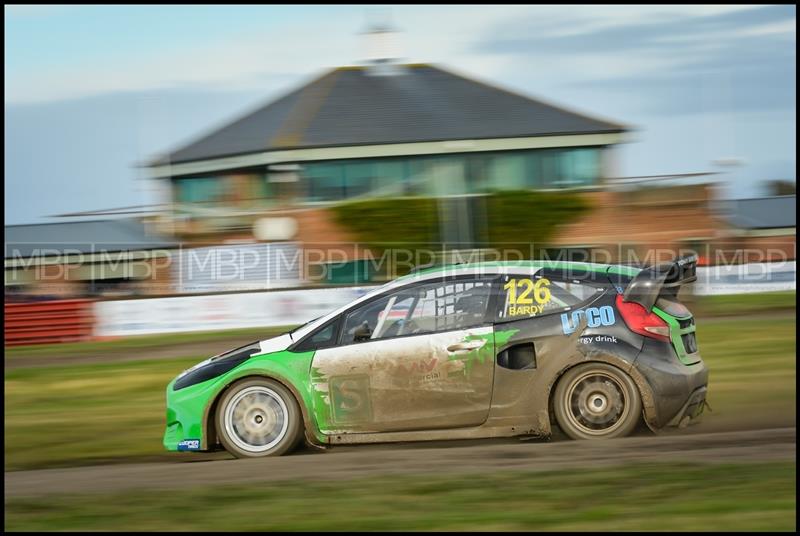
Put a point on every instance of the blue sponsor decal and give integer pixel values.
(595, 317)
(189, 444)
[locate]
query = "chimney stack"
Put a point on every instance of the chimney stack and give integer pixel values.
(382, 50)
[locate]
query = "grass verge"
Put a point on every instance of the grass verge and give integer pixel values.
(744, 304)
(142, 342)
(735, 497)
(752, 371)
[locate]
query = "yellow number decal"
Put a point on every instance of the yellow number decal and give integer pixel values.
(523, 298)
(541, 291)
(511, 286)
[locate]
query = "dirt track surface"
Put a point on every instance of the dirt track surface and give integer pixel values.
(343, 463)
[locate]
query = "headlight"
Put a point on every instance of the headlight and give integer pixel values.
(194, 367)
(215, 366)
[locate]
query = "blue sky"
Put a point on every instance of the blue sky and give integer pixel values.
(90, 91)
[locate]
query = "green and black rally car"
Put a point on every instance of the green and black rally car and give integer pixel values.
(462, 351)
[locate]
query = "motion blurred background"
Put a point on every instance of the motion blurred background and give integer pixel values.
(180, 180)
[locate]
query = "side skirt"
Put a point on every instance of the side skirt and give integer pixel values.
(475, 432)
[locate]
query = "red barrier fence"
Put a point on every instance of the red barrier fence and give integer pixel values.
(48, 322)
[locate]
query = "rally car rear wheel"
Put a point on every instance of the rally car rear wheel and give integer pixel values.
(258, 417)
(596, 401)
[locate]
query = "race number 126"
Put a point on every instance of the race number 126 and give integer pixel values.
(520, 291)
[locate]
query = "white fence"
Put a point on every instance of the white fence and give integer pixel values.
(288, 307)
(237, 267)
(744, 278)
(216, 312)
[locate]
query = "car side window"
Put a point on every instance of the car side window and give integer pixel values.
(426, 308)
(323, 337)
(525, 296)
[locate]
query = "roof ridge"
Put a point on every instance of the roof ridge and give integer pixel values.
(308, 103)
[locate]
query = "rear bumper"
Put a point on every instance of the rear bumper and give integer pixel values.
(692, 410)
(677, 389)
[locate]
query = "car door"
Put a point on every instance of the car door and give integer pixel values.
(415, 358)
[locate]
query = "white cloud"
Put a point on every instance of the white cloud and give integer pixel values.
(788, 27)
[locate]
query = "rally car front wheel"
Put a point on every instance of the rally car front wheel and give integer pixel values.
(258, 417)
(596, 401)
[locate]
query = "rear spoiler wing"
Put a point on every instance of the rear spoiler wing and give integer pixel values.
(647, 285)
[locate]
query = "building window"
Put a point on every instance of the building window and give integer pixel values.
(247, 189)
(455, 174)
(507, 172)
(199, 190)
(551, 169)
(236, 189)
(325, 181)
(446, 176)
(581, 167)
(563, 168)
(391, 177)
(262, 191)
(358, 178)
(417, 182)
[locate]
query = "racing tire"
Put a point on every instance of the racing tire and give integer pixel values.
(258, 417)
(596, 401)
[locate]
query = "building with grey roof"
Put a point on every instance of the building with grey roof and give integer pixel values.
(358, 132)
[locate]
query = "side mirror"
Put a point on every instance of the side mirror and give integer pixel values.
(362, 333)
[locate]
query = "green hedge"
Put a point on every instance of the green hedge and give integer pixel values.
(515, 219)
(519, 218)
(391, 222)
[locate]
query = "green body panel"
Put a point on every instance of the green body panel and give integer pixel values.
(502, 336)
(675, 334)
(488, 351)
(187, 408)
(480, 355)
